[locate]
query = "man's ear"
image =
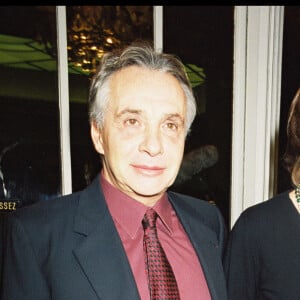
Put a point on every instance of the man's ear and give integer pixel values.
(97, 138)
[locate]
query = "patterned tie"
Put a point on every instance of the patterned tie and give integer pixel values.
(161, 279)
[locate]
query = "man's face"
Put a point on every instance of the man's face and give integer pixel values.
(143, 136)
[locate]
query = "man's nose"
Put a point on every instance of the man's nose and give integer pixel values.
(152, 142)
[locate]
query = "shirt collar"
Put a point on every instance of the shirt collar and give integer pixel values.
(129, 212)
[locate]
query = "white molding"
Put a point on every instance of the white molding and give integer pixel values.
(63, 89)
(256, 104)
(238, 115)
(158, 27)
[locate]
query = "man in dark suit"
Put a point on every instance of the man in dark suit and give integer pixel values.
(89, 245)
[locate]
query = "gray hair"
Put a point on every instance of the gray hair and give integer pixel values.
(142, 55)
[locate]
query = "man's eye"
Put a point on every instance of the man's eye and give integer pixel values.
(131, 122)
(172, 126)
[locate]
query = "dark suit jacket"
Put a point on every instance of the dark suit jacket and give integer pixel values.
(69, 249)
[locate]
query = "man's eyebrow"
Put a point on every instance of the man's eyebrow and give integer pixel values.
(176, 115)
(138, 112)
(128, 110)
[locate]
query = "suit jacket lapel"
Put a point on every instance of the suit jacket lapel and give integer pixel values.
(206, 245)
(101, 255)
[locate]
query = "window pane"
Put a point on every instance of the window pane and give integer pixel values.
(202, 36)
(93, 30)
(29, 129)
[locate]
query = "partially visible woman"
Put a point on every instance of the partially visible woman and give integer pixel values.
(262, 259)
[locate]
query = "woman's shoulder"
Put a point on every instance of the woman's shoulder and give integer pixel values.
(270, 205)
(262, 214)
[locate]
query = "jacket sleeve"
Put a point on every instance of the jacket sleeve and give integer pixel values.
(22, 278)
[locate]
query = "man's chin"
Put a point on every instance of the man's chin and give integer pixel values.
(151, 193)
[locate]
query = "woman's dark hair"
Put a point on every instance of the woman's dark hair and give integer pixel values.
(291, 157)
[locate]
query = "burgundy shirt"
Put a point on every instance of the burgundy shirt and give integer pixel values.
(127, 214)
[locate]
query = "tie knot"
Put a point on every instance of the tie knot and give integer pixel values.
(149, 219)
